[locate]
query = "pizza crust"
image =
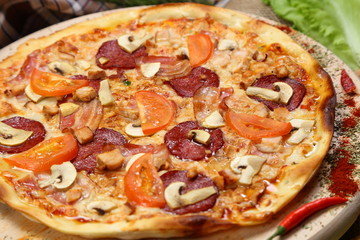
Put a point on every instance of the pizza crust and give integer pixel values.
(291, 179)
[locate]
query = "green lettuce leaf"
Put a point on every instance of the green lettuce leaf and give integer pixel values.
(334, 23)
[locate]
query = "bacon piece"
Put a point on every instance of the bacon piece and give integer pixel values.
(170, 66)
(36, 127)
(130, 149)
(28, 66)
(206, 100)
(346, 82)
(198, 77)
(117, 58)
(89, 114)
(199, 181)
(180, 145)
(105, 139)
(268, 81)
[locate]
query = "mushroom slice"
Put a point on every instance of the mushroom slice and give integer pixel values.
(130, 42)
(85, 65)
(286, 91)
(298, 136)
(149, 69)
(134, 130)
(264, 93)
(32, 95)
(101, 207)
(200, 136)
(302, 123)
(227, 44)
(132, 160)
(62, 176)
(214, 120)
(176, 200)
(10, 136)
(248, 166)
(64, 68)
(68, 108)
(103, 60)
(105, 96)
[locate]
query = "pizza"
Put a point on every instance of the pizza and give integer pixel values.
(168, 121)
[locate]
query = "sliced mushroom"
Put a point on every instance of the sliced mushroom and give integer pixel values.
(62, 67)
(248, 166)
(175, 200)
(10, 136)
(68, 108)
(101, 207)
(264, 93)
(298, 136)
(132, 160)
(32, 95)
(83, 64)
(302, 123)
(214, 120)
(130, 42)
(149, 69)
(62, 176)
(105, 96)
(227, 44)
(103, 60)
(286, 91)
(199, 136)
(134, 130)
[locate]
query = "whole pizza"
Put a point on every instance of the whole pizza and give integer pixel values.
(168, 121)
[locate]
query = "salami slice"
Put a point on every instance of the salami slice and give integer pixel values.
(103, 138)
(198, 77)
(36, 127)
(179, 144)
(268, 81)
(200, 181)
(115, 57)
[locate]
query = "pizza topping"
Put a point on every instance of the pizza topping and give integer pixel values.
(176, 200)
(227, 44)
(248, 166)
(62, 67)
(117, 57)
(254, 127)
(132, 160)
(302, 123)
(84, 135)
(270, 145)
(82, 64)
(179, 144)
(62, 176)
(346, 82)
(101, 207)
(37, 129)
(68, 108)
(200, 48)
(260, 56)
(142, 183)
(304, 129)
(285, 92)
(50, 84)
(10, 136)
(150, 69)
(214, 120)
(85, 94)
(156, 112)
(200, 136)
(50, 110)
(111, 160)
(264, 93)
(134, 130)
(189, 195)
(198, 77)
(268, 82)
(32, 95)
(47, 153)
(105, 96)
(130, 42)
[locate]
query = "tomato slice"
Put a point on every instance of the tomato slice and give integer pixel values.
(156, 112)
(200, 48)
(50, 84)
(254, 127)
(142, 183)
(45, 154)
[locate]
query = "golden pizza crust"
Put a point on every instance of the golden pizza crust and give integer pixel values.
(292, 177)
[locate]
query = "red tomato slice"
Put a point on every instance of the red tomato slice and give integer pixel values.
(156, 112)
(45, 154)
(142, 183)
(200, 48)
(50, 84)
(254, 127)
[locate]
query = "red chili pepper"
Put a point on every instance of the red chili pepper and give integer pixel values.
(346, 82)
(297, 216)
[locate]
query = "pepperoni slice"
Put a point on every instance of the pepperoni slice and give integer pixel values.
(117, 58)
(36, 127)
(198, 77)
(268, 81)
(104, 138)
(179, 144)
(200, 181)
